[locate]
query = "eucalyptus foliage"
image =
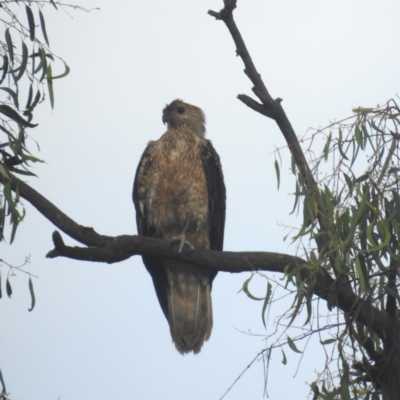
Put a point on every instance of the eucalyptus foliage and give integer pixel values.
(360, 204)
(351, 229)
(26, 80)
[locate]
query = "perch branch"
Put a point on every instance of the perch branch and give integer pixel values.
(101, 248)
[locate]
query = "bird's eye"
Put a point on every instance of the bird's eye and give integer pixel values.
(181, 110)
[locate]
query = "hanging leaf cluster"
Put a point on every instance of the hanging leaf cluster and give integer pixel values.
(349, 204)
(26, 80)
(351, 229)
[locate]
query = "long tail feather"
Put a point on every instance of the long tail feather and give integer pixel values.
(189, 306)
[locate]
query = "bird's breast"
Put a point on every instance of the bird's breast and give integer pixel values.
(176, 188)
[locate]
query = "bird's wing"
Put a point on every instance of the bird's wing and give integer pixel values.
(216, 195)
(153, 264)
(140, 176)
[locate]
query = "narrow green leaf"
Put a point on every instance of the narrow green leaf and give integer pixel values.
(27, 157)
(296, 199)
(360, 274)
(34, 104)
(50, 85)
(278, 177)
(43, 64)
(315, 389)
(12, 74)
(362, 178)
(30, 95)
(377, 128)
(15, 146)
(381, 154)
(22, 171)
(327, 341)
(13, 95)
(8, 288)
(292, 345)
(10, 47)
(8, 196)
(327, 146)
(308, 212)
(342, 153)
(41, 54)
(12, 114)
(365, 134)
(344, 380)
(284, 360)
(4, 68)
(31, 23)
(65, 73)
(309, 306)
(43, 25)
(245, 289)
(24, 62)
(349, 182)
(2, 222)
(3, 172)
(385, 237)
(266, 301)
(14, 230)
(356, 148)
(356, 218)
(31, 291)
(358, 135)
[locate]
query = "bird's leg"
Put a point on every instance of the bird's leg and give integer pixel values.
(181, 239)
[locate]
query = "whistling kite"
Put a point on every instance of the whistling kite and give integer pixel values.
(179, 195)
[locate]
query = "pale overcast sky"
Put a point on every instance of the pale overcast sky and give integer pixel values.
(97, 331)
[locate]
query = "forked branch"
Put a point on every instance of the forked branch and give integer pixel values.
(269, 107)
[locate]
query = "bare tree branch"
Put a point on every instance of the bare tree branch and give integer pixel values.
(269, 107)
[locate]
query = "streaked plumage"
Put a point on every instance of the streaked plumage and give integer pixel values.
(179, 194)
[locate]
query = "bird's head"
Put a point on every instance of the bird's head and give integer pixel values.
(179, 114)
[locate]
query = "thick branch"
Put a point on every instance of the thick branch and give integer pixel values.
(123, 247)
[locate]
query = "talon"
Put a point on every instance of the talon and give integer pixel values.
(182, 242)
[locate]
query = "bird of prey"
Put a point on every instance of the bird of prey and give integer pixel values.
(179, 195)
